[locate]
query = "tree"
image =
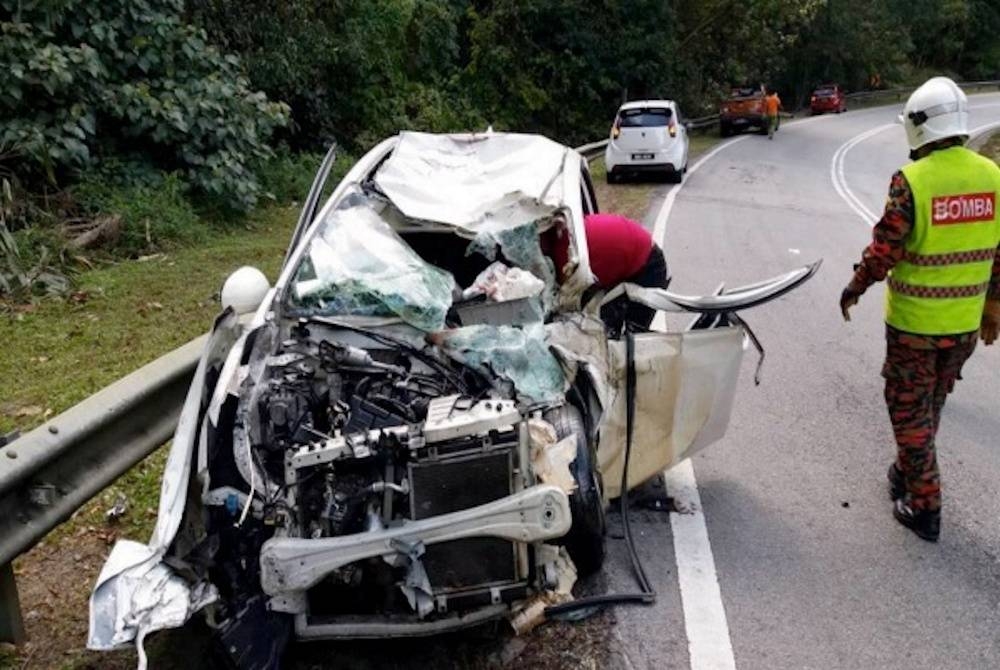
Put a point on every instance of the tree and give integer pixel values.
(128, 76)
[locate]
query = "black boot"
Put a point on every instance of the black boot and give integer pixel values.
(925, 523)
(897, 485)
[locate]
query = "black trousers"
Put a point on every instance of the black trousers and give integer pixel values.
(621, 311)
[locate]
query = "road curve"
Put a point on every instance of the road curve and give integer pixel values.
(813, 571)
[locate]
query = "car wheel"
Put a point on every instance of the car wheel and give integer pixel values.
(724, 130)
(611, 178)
(585, 539)
(675, 176)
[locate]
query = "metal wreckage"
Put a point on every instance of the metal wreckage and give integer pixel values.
(421, 426)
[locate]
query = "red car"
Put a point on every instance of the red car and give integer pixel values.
(828, 98)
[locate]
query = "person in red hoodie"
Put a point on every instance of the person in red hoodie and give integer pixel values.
(621, 251)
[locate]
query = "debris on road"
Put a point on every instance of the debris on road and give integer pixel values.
(531, 614)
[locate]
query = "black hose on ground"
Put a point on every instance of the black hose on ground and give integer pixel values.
(646, 594)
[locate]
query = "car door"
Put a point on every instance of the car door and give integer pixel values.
(685, 381)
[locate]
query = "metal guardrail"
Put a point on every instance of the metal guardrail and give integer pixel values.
(593, 149)
(703, 122)
(48, 474)
(900, 94)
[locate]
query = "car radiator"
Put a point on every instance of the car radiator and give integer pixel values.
(443, 484)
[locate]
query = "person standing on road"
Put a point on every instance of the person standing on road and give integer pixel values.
(937, 243)
(621, 251)
(772, 103)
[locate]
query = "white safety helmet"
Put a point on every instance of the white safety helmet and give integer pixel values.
(244, 290)
(935, 111)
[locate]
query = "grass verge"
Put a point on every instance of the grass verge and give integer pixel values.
(632, 199)
(119, 318)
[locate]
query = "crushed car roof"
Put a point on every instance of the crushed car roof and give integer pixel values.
(476, 182)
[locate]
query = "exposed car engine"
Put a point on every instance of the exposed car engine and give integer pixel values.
(339, 440)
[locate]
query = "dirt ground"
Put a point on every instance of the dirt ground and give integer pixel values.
(54, 581)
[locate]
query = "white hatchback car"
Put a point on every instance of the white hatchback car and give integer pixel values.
(380, 452)
(647, 136)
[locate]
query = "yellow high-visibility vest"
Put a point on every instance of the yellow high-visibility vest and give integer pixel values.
(939, 288)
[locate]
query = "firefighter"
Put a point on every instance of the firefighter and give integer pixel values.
(936, 244)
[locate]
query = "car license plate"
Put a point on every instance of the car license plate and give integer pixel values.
(642, 157)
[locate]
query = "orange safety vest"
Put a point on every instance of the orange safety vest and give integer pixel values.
(771, 104)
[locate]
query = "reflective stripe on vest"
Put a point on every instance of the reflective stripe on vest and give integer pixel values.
(940, 285)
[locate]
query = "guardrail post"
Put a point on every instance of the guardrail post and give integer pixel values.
(11, 623)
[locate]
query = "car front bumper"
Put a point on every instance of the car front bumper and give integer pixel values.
(290, 565)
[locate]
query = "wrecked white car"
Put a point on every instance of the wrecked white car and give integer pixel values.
(421, 425)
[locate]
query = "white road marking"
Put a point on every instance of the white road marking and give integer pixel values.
(709, 644)
(840, 179)
(705, 624)
(985, 127)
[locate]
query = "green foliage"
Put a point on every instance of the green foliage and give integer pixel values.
(20, 279)
(131, 98)
(287, 176)
(87, 80)
(21, 276)
(846, 43)
(154, 209)
(354, 72)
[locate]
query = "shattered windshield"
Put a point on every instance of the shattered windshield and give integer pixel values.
(357, 265)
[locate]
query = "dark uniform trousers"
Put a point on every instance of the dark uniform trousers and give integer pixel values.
(917, 382)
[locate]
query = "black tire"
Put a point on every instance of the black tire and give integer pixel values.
(725, 130)
(611, 178)
(585, 539)
(675, 176)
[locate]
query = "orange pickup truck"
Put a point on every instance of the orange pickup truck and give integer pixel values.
(742, 110)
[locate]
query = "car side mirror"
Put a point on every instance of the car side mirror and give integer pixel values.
(244, 290)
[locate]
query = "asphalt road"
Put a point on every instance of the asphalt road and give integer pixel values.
(813, 570)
